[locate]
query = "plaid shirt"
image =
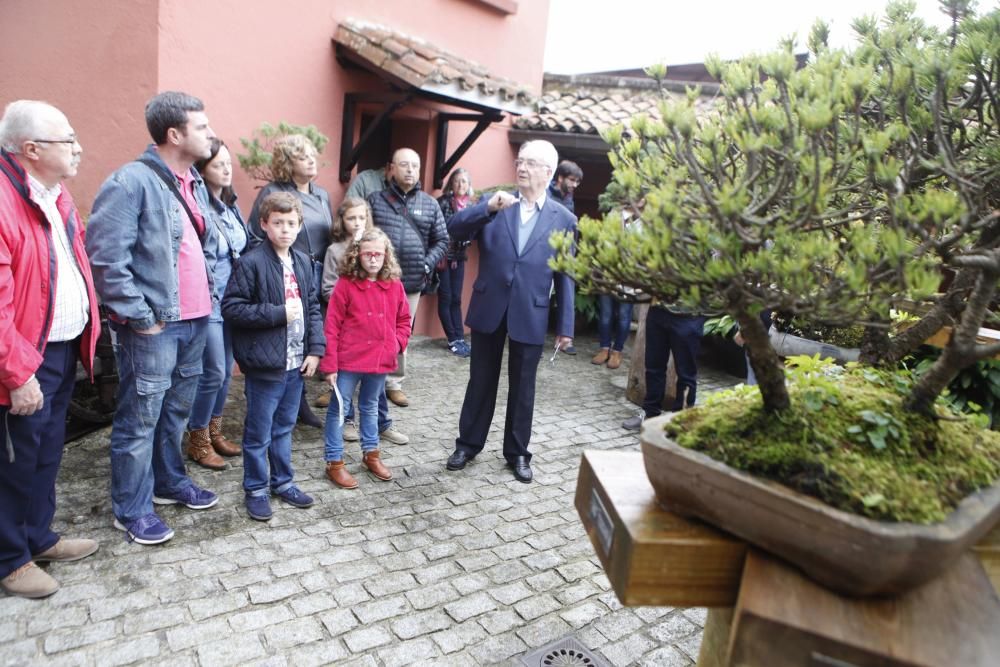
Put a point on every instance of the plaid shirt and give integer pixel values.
(70, 310)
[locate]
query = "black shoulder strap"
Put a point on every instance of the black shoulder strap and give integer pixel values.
(392, 199)
(171, 182)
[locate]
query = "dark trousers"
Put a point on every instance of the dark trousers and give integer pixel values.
(680, 335)
(481, 394)
(450, 301)
(29, 461)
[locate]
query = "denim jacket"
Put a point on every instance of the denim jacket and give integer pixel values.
(228, 219)
(133, 241)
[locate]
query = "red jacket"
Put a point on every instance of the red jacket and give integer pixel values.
(28, 278)
(367, 325)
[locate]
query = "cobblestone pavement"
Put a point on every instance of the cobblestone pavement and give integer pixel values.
(434, 567)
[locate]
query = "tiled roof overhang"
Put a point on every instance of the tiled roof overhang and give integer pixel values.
(412, 64)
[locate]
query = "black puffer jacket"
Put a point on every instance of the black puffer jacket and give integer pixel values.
(254, 305)
(416, 253)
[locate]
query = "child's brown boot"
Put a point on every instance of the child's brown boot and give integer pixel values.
(373, 462)
(337, 473)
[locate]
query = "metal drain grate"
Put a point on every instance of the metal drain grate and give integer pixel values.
(565, 652)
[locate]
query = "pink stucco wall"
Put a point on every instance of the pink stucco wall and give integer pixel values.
(265, 60)
(250, 61)
(93, 59)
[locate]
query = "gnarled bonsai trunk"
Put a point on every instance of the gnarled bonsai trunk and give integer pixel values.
(961, 349)
(764, 360)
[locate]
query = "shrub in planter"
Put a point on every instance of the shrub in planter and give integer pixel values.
(832, 191)
(256, 162)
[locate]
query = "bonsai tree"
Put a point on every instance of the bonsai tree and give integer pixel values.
(838, 189)
(257, 160)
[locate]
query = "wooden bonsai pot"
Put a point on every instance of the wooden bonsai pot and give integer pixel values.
(845, 552)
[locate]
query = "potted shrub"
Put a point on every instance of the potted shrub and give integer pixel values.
(833, 191)
(257, 160)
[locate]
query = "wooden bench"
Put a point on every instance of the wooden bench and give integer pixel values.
(763, 612)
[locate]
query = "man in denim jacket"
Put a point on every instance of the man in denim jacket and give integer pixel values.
(150, 240)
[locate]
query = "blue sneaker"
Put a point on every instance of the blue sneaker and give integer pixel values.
(191, 497)
(458, 348)
(148, 529)
(294, 497)
(468, 348)
(259, 507)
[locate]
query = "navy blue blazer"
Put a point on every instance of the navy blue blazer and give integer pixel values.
(518, 286)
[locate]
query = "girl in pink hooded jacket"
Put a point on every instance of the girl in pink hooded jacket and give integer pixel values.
(367, 326)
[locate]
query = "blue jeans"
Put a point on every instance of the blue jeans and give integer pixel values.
(450, 301)
(217, 371)
(272, 408)
(608, 305)
(384, 422)
(158, 376)
(372, 389)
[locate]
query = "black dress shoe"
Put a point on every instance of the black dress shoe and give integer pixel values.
(458, 459)
(522, 471)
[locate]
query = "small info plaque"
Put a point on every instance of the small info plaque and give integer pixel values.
(602, 522)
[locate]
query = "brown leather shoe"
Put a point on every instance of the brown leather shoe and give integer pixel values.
(323, 401)
(29, 581)
(66, 550)
(615, 359)
(337, 473)
(601, 357)
(398, 397)
(373, 461)
(220, 443)
(200, 450)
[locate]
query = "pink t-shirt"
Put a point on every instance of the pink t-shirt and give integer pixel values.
(192, 272)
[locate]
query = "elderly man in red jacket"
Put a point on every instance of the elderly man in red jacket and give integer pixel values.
(48, 320)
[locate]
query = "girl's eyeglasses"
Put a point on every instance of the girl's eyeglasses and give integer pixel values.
(372, 255)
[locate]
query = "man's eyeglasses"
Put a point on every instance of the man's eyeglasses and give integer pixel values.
(71, 140)
(373, 255)
(530, 164)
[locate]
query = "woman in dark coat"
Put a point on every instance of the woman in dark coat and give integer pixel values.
(457, 195)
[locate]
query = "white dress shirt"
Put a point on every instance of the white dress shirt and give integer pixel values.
(71, 308)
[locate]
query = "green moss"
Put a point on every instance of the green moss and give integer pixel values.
(823, 446)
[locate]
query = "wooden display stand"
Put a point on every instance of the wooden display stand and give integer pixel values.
(763, 612)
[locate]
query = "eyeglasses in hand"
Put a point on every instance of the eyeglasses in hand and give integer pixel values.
(555, 354)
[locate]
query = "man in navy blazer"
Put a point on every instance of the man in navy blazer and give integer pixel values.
(510, 299)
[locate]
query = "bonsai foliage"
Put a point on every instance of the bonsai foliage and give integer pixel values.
(257, 160)
(836, 190)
